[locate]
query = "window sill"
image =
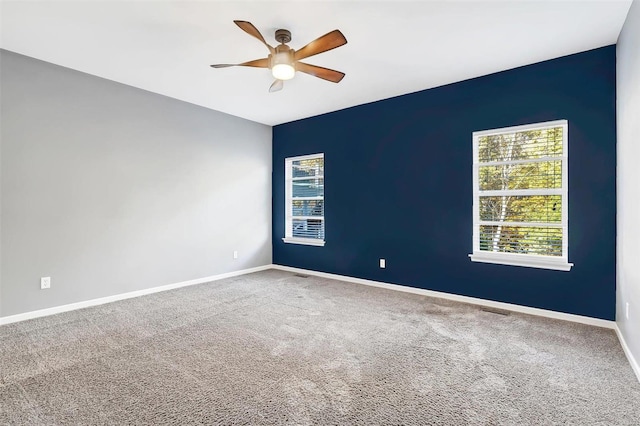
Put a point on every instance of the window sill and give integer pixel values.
(304, 241)
(522, 260)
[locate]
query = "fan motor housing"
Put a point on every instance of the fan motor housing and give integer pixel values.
(283, 55)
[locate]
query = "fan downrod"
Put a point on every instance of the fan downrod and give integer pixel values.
(283, 36)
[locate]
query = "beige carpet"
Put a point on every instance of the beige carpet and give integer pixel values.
(275, 348)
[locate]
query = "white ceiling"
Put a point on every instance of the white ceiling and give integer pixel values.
(393, 47)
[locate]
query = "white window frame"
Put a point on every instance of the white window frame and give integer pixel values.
(559, 263)
(288, 191)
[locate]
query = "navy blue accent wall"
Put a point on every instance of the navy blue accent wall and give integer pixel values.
(398, 184)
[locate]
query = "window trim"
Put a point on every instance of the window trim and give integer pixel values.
(288, 198)
(516, 259)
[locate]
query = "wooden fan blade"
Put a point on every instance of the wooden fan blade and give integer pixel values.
(322, 44)
(248, 28)
(258, 63)
(320, 72)
(276, 86)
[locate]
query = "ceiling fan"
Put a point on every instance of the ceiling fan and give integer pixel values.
(284, 61)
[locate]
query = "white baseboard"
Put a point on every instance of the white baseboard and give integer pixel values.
(634, 364)
(102, 300)
(464, 299)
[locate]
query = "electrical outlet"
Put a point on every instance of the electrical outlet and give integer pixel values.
(626, 310)
(383, 263)
(235, 254)
(45, 282)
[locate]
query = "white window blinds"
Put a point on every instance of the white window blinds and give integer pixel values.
(304, 199)
(520, 196)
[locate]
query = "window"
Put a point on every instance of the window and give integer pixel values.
(304, 200)
(520, 196)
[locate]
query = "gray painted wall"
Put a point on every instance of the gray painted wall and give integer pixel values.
(628, 99)
(110, 189)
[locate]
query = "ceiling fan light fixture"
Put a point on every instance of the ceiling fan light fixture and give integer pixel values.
(282, 65)
(284, 62)
(283, 71)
